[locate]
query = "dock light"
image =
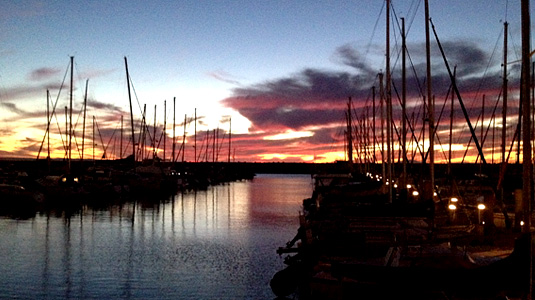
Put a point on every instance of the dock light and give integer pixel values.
(453, 199)
(521, 223)
(63, 179)
(452, 207)
(435, 194)
(415, 193)
(480, 207)
(75, 179)
(387, 183)
(409, 186)
(395, 186)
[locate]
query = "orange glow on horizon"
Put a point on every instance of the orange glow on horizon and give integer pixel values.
(288, 135)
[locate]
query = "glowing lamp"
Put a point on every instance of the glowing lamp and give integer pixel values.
(415, 193)
(481, 206)
(452, 207)
(453, 199)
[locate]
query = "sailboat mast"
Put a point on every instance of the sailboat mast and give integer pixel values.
(431, 104)
(404, 101)
(214, 147)
(195, 137)
(174, 124)
(526, 124)
(483, 121)
(131, 114)
(67, 136)
(504, 92)
(229, 138)
(389, 139)
(143, 136)
(48, 123)
(349, 134)
(83, 128)
(121, 141)
(527, 172)
(184, 139)
(154, 135)
(70, 112)
(381, 107)
(365, 140)
(451, 124)
(93, 139)
(373, 125)
(164, 126)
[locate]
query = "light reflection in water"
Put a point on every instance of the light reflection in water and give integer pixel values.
(213, 244)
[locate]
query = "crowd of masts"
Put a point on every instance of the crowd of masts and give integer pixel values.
(146, 144)
(367, 145)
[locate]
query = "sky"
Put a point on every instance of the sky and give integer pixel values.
(275, 74)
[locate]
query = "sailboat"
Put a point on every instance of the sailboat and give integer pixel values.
(65, 188)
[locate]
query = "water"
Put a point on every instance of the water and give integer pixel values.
(214, 244)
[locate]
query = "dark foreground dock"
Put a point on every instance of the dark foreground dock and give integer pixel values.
(356, 242)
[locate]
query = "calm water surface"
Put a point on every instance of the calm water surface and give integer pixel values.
(214, 244)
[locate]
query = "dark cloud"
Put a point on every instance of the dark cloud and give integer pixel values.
(12, 108)
(314, 98)
(325, 136)
(44, 74)
(21, 92)
(311, 97)
(349, 56)
(469, 59)
(28, 92)
(467, 56)
(310, 85)
(104, 106)
(292, 118)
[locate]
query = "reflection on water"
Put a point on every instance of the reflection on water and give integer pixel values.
(214, 244)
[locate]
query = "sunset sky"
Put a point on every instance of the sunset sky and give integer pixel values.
(281, 70)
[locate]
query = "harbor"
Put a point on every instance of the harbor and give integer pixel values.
(218, 243)
(400, 169)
